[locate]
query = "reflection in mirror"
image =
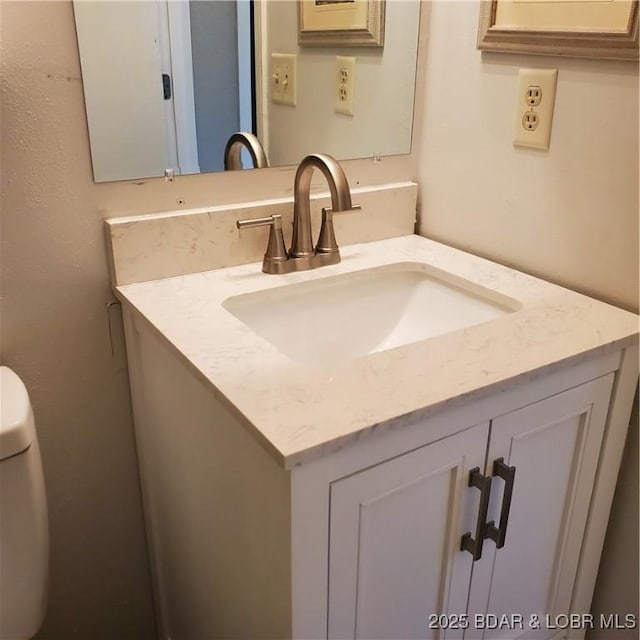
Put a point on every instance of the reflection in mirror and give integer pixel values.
(233, 150)
(168, 82)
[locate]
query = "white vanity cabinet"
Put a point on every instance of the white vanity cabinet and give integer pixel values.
(353, 499)
(396, 528)
(364, 540)
(394, 540)
(554, 447)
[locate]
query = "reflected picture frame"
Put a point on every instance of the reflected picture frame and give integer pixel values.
(344, 23)
(573, 28)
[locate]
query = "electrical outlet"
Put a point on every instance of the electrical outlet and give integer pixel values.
(534, 114)
(534, 95)
(345, 84)
(530, 120)
(284, 78)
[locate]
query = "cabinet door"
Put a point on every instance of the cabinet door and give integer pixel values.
(394, 547)
(554, 446)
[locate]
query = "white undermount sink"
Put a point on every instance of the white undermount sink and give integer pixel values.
(342, 317)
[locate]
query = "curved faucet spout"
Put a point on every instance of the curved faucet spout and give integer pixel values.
(303, 255)
(302, 243)
(234, 147)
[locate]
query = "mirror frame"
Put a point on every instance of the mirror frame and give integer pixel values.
(341, 27)
(573, 43)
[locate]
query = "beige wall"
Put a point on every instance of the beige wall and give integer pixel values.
(569, 215)
(54, 335)
(617, 587)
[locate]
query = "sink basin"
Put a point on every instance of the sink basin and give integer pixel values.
(342, 317)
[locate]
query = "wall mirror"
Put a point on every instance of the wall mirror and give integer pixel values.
(167, 82)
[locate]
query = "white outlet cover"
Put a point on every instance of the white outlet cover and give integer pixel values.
(284, 76)
(544, 81)
(345, 85)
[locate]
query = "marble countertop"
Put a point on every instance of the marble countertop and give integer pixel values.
(300, 411)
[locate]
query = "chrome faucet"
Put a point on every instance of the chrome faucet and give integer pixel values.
(303, 255)
(234, 147)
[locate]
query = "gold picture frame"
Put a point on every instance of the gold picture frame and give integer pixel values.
(575, 28)
(345, 23)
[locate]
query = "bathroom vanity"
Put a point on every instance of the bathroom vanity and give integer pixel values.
(437, 439)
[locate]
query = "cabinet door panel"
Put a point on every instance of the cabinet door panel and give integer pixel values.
(394, 540)
(554, 446)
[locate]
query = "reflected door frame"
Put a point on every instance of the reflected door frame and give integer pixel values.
(175, 47)
(177, 61)
(261, 72)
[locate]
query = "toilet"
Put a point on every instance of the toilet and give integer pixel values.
(24, 532)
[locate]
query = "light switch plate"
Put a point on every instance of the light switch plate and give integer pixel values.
(345, 84)
(534, 111)
(284, 68)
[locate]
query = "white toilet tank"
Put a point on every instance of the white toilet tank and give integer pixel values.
(24, 532)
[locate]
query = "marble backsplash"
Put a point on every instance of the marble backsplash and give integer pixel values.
(162, 245)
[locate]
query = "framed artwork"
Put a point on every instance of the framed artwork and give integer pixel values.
(346, 23)
(578, 28)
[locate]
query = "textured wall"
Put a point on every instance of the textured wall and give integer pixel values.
(617, 588)
(54, 334)
(569, 214)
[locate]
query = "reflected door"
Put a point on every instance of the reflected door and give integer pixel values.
(165, 83)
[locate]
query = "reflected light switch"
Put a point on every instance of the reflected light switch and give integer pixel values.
(283, 78)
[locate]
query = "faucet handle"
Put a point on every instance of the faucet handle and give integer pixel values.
(276, 251)
(327, 237)
(355, 207)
